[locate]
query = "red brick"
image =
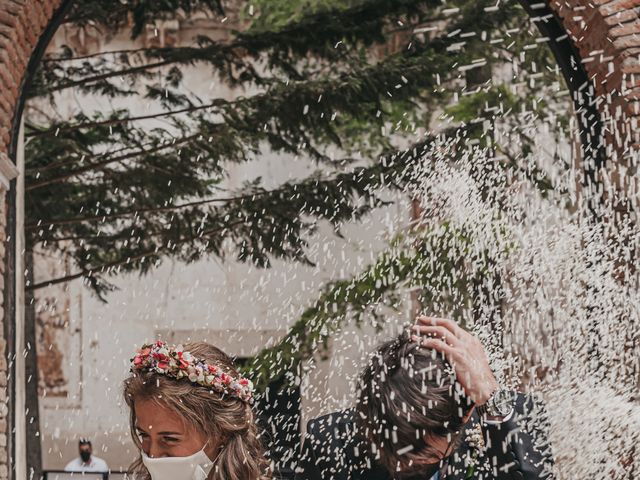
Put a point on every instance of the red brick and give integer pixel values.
(5, 135)
(633, 109)
(10, 84)
(621, 16)
(631, 65)
(7, 33)
(6, 106)
(629, 28)
(8, 19)
(13, 8)
(633, 94)
(632, 81)
(32, 23)
(618, 6)
(628, 41)
(50, 7)
(603, 3)
(16, 58)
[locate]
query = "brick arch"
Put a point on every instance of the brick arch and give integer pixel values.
(607, 36)
(22, 25)
(26, 27)
(605, 33)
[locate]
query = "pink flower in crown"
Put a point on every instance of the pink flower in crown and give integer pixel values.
(183, 363)
(226, 379)
(212, 368)
(161, 357)
(144, 351)
(244, 382)
(163, 365)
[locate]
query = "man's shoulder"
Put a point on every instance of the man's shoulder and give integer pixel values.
(99, 463)
(530, 406)
(72, 464)
(340, 418)
(335, 449)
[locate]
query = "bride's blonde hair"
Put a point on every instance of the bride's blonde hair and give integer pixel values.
(222, 417)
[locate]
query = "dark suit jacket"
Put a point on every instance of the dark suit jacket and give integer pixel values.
(517, 449)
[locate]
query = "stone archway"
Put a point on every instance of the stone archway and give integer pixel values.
(605, 33)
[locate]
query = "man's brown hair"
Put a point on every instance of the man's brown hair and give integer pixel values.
(408, 394)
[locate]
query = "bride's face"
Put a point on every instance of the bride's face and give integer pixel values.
(163, 433)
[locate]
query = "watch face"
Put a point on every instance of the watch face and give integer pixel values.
(502, 402)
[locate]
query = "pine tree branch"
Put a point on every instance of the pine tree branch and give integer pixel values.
(313, 32)
(117, 121)
(105, 76)
(64, 163)
(313, 88)
(102, 218)
(108, 161)
(87, 272)
(127, 51)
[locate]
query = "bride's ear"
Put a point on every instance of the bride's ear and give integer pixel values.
(213, 449)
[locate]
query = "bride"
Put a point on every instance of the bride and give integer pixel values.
(191, 416)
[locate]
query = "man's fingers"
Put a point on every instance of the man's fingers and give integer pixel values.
(437, 332)
(440, 346)
(442, 322)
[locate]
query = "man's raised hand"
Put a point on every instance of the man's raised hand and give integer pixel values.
(464, 352)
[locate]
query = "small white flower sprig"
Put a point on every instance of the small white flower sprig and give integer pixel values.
(476, 443)
(175, 362)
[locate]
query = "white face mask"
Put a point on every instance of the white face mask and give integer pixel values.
(193, 467)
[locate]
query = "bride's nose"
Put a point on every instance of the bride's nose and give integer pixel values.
(154, 451)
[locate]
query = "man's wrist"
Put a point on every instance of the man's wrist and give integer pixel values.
(498, 406)
(490, 389)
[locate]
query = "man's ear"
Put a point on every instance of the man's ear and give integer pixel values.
(468, 415)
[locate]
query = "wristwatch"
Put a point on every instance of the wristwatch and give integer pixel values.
(500, 404)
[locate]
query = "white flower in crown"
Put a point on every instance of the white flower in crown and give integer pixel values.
(187, 356)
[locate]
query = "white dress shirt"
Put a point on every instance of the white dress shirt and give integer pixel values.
(95, 464)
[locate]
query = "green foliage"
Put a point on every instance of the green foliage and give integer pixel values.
(138, 14)
(118, 193)
(439, 258)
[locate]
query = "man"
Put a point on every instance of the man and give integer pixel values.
(86, 462)
(429, 407)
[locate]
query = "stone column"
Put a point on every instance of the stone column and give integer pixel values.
(8, 171)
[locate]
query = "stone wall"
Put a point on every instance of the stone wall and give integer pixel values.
(4, 410)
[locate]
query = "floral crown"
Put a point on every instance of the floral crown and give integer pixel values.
(175, 362)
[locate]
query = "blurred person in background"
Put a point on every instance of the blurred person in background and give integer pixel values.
(86, 462)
